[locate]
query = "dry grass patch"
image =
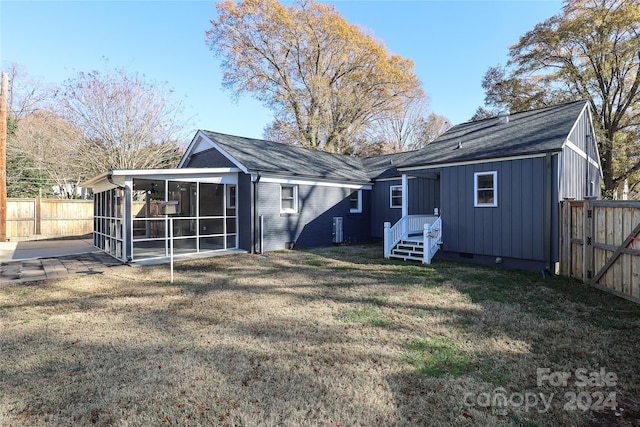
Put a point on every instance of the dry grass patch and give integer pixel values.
(335, 336)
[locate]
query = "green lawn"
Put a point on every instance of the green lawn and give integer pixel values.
(333, 336)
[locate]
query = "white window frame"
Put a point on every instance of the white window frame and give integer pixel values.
(359, 196)
(476, 189)
(295, 199)
(391, 205)
(231, 201)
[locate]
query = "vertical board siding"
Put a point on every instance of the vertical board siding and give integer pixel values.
(514, 228)
(313, 224)
(578, 172)
(244, 200)
(380, 210)
(555, 208)
(58, 218)
(613, 222)
(424, 196)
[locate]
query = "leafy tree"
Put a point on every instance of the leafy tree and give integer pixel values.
(591, 51)
(324, 78)
(123, 122)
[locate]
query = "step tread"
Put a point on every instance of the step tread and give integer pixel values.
(406, 257)
(405, 251)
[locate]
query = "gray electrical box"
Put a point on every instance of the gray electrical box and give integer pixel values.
(338, 235)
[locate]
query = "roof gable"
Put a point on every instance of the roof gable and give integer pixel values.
(527, 133)
(256, 155)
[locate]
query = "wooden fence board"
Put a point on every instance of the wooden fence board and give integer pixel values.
(48, 218)
(604, 252)
(626, 258)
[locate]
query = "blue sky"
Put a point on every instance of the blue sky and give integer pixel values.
(451, 42)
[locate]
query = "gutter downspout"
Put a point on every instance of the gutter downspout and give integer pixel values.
(548, 200)
(255, 179)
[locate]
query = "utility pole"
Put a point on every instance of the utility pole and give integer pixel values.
(3, 158)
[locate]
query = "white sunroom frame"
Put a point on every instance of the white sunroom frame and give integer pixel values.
(124, 179)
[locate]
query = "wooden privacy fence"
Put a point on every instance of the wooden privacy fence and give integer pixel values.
(601, 245)
(47, 218)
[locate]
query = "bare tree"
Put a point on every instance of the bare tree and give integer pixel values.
(396, 129)
(26, 94)
(123, 121)
(429, 129)
(54, 148)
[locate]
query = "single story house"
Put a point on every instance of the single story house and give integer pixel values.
(489, 191)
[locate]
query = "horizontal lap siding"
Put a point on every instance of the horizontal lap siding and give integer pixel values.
(312, 225)
(513, 229)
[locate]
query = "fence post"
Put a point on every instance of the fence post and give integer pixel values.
(565, 268)
(37, 213)
(387, 239)
(587, 241)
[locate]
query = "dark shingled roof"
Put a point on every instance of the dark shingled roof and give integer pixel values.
(268, 156)
(527, 133)
(385, 166)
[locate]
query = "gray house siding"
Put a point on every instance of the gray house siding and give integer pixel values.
(424, 196)
(513, 229)
(380, 210)
(555, 208)
(208, 159)
(579, 178)
(245, 196)
(313, 224)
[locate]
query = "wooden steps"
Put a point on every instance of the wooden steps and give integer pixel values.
(408, 249)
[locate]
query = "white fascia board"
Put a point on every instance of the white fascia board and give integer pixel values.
(174, 172)
(586, 107)
(94, 181)
(472, 162)
(322, 183)
(103, 182)
(573, 147)
(595, 162)
(595, 142)
(397, 178)
(201, 138)
(118, 178)
(192, 145)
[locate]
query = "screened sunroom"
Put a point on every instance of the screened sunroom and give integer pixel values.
(142, 215)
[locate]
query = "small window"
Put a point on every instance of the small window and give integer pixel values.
(288, 198)
(231, 196)
(355, 202)
(395, 196)
(486, 189)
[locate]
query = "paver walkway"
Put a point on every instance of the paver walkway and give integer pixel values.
(31, 270)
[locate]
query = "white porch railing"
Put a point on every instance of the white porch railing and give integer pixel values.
(407, 225)
(432, 237)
